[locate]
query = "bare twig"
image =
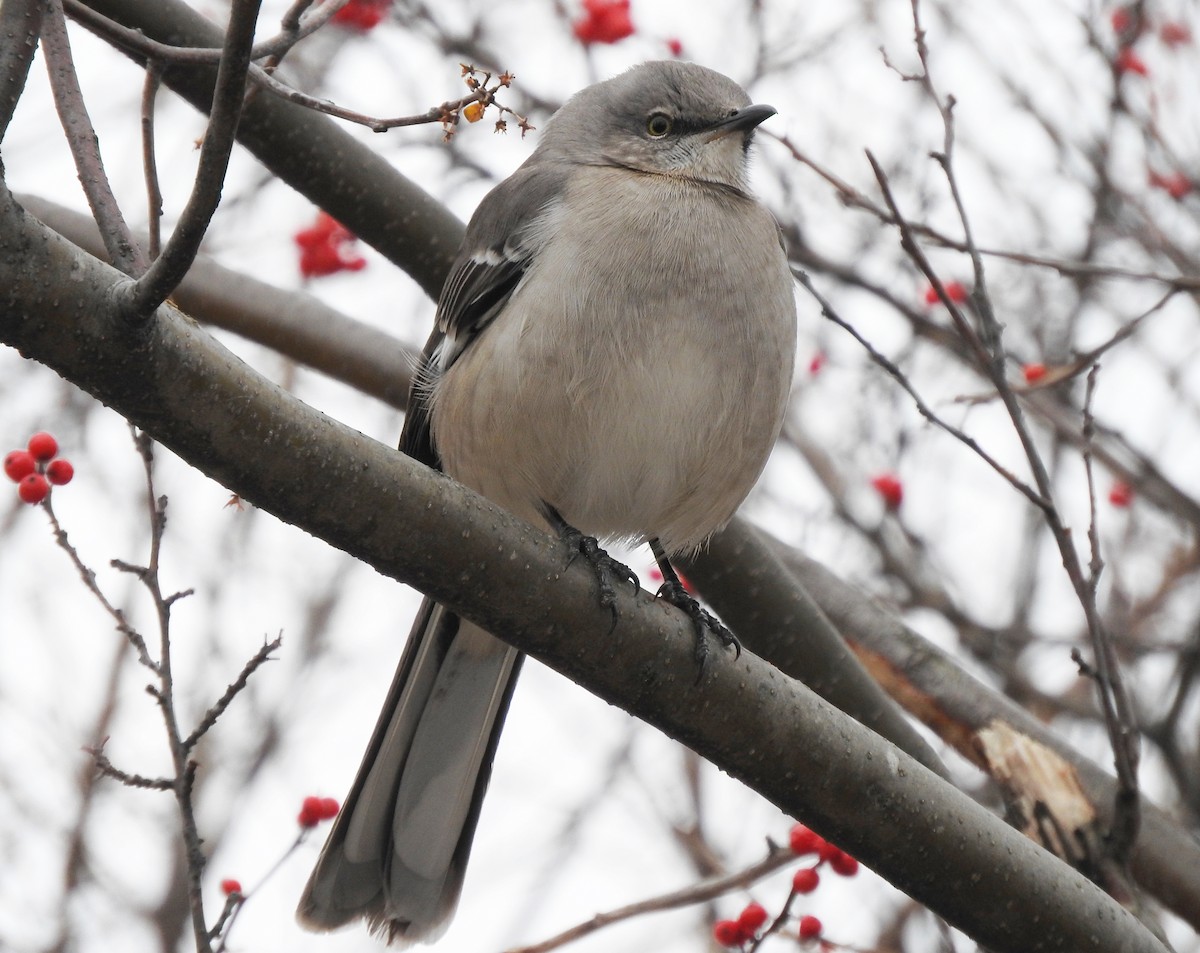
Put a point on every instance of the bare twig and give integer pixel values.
(218, 707)
(168, 269)
(776, 857)
(1119, 718)
(88, 575)
(109, 770)
(123, 251)
(447, 113)
(274, 46)
(154, 197)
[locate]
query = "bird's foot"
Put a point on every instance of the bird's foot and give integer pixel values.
(608, 571)
(705, 622)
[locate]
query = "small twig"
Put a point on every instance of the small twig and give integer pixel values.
(88, 575)
(168, 269)
(910, 245)
(123, 249)
(1115, 703)
(195, 55)
(446, 113)
(154, 197)
(1067, 268)
(707, 890)
(828, 311)
(1119, 719)
(224, 925)
(109, 770)
(1096, 565)
(218, 707)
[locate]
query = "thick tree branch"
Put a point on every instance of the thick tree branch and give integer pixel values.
(296, 325)
(750, 589)
(174, 381)
(931, 685)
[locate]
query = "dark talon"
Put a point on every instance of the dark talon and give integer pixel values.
(606, 569)
(704, 622)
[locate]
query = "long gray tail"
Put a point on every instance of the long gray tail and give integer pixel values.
(398, 849)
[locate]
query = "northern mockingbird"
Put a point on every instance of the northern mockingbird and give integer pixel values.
(612, 355)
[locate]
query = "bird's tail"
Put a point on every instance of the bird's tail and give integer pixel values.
(398, 850)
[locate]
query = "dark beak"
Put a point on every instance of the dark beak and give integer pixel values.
(740, 120)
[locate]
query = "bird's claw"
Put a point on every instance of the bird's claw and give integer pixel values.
(704, 622)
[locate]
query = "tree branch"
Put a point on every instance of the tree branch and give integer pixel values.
(172, 380)
(122, 250)
(310, 152)
(20, 26)
(168, 269)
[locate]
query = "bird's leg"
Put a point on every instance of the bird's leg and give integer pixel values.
(705, 622)
(608, 570)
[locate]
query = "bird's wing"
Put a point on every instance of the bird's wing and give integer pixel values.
(506, 232)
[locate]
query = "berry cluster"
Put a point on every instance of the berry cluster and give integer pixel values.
(1134, 29)
(956, 291)
(749, 924)
(316, 809)
(326, 248)
(36, 467)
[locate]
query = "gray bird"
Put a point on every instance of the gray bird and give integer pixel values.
(612, 356)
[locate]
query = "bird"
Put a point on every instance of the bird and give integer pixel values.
(611, 360)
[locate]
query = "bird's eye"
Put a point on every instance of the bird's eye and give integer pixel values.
(658, 125)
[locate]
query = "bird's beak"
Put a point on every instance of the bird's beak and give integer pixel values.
(740, 120)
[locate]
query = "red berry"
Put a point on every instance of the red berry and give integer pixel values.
(362, 14)
(33, 488)
(753, 917)
(842, 863)
(605, 21)
(60, 471)
(889, 487)
(1033, 372)
(313, 810)
(1121, 494)
(310, 812)
(810, 927)
(817, 363)
(18, 464)
(230, 887)
(728, 933)
(43, 447)
(325, 248)
(1175, 184)
(803, 840)
(1128, 61)
(675, 47)
(805, 880)
(1174, 33)
(956, 291)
